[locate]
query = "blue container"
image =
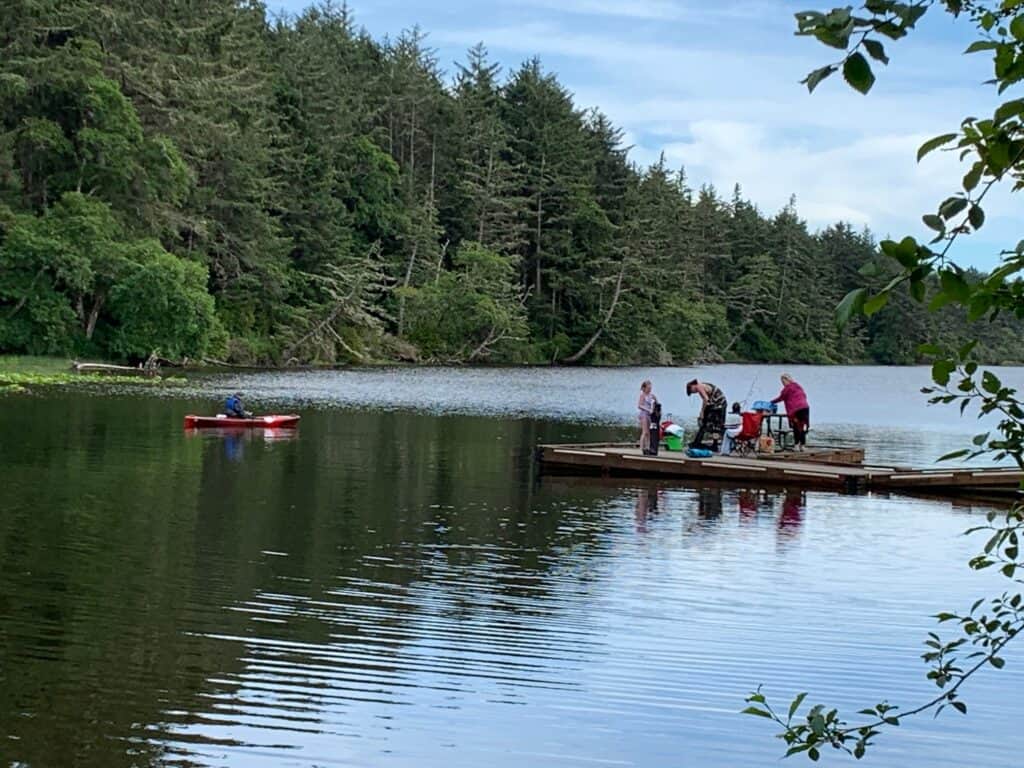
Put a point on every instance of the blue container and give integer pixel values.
(764, 405)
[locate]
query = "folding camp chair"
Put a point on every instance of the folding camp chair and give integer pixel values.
(745, 443)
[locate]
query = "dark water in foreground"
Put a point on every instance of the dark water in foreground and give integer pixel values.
(400, 589)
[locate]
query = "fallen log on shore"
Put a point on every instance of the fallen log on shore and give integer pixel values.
(115, 370)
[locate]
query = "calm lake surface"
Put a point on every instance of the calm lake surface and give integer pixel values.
(395, 586)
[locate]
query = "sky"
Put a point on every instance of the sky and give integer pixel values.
(715, 85)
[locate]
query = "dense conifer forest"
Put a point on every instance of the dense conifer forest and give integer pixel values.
(206, 180)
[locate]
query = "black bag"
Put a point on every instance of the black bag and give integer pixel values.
(654, 433)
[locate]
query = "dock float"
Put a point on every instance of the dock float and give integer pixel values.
(824, 468)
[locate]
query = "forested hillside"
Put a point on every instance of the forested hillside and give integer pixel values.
(203, 179)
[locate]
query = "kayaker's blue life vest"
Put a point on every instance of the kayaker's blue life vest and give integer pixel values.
(233, 405)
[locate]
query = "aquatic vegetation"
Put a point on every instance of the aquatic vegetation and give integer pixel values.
(13, 382)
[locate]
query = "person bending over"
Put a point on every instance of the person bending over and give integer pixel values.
(712, 412)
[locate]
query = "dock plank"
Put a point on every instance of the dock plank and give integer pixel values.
(628, 460)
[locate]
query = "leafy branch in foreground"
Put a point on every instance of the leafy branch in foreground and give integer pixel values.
(994, 149)
(984, 631)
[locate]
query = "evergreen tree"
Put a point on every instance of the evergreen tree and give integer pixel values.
(294, 190)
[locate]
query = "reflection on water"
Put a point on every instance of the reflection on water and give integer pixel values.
(391, 589)
(234, 439)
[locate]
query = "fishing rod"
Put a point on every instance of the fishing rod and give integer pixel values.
(750, 391)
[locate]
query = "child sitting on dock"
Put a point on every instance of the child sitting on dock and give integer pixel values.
(733, 426)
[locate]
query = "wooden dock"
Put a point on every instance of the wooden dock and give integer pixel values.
(797, 469)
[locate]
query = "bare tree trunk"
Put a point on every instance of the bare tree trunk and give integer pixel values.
(440, 260)
(412, 150)
(433, 169)
(493, 337)
(540, 215)
(94, 315)
(487, 196)
(607, 319)
(405, 284)
(742, 330)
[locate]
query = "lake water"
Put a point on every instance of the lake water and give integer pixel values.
(395, 586)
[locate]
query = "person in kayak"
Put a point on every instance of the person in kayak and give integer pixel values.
(235, 408)
(712, 412)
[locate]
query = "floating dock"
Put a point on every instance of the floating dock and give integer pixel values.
(837, 469)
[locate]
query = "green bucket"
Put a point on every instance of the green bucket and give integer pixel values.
(673, 443)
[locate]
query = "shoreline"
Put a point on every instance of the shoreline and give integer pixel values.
(19, 374)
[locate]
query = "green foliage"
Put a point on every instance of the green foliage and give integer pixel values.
(470, 312)
(160, 302)
(70, 274)
(928, 278)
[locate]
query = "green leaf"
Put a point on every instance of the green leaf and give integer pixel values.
(917, 290)
(941, 371)
(997, 662)
(852, 304)
(814, 78)
(876, 50)
(951, 206)
(966, 349)
(818, 725)
(933, 144)
(981, 45)
(973, 176)
(955, 455)
(1017, 27)
(1009, 109)
(998, 156)
(756, 711)
(934, 222)
(980, 304)
(955, 285)
(990, 382)
(976, 216)
(905, 251)
(875, 303)
(939, 300)
(857, 72)
(796, 703)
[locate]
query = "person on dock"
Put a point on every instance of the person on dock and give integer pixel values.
(235, 408)
(733, 426)
(712, 412)
(797, 410)
(645, 407)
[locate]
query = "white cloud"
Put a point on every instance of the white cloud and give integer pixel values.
(732, 114)
(698, 11)
(635, 9)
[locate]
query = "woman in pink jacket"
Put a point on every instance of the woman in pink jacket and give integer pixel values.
(797, 409)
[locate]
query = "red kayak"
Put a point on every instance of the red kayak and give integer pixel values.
(256, 422)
